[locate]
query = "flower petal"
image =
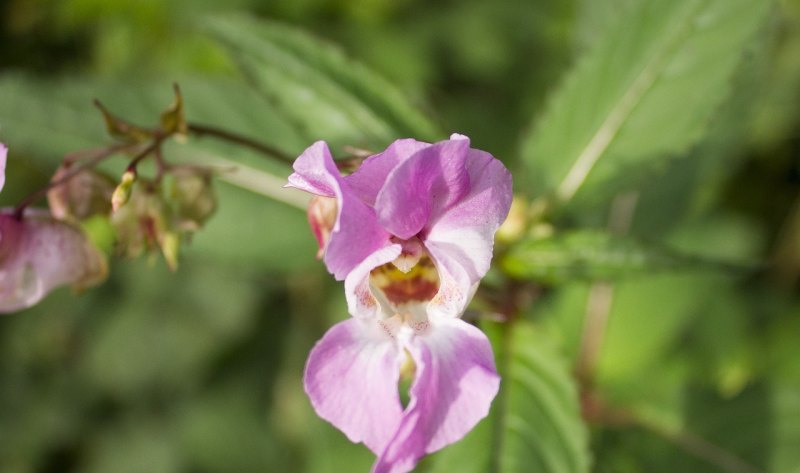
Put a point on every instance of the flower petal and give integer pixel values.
(3, 154)
(360, 301)
(315, 172)
(41, 254)
(426, 183)
(356, 233)
(455, 384)
(351, 378)
(368, 179)
(461, 237)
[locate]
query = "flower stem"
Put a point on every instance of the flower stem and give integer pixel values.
(235, 138)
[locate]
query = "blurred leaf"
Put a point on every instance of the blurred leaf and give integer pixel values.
(596, 17)
(219, 432)
(535, 424)
(592, 255)
(327, 95)
(165, 341)
(777, 112)
(785, 456)
(133, 447)
(644, 92)
(646, 320)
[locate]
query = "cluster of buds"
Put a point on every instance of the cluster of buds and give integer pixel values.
(156, 216)
(41, 250)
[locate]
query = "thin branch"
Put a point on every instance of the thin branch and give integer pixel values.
(224, 135)
(94, 157)
(154, 146)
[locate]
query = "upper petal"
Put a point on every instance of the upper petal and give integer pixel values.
(43, 255)
(315, 171)
(356, 233)
(461, 237)
(455, 384)
(3, 153)
(368, 179)
(351, 378)
(426, 183)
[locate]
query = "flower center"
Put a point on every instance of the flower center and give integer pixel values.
(404, 286)
(419, 283)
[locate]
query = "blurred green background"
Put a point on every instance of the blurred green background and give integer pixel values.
(200, 370)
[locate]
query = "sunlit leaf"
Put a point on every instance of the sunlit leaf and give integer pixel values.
(644, 92)
(327, 95)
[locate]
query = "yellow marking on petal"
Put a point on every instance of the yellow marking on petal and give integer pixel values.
(419, 283)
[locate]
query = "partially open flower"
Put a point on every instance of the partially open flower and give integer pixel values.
(411, 238)
(38, 254)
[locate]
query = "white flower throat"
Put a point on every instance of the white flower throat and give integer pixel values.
(404, 286)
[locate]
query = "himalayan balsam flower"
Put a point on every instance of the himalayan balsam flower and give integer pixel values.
(411, 234)
(38, 254)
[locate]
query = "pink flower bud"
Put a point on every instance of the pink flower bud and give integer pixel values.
(322, 218)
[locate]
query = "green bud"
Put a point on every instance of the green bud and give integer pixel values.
(122, 193)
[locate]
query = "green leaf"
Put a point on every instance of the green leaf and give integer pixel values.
(592, 255)
(327, 95)
(535, 425)
(645, 92)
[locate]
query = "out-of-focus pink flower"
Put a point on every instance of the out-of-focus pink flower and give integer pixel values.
(411, 238)
(38, 254)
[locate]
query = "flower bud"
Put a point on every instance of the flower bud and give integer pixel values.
(194, 196)
(38, 254)
(138, 223)
(322, 217)
(85, 194)
(122, 193)
(146, 224)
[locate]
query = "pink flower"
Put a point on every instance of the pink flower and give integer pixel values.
(38, 254)
(412, 237)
